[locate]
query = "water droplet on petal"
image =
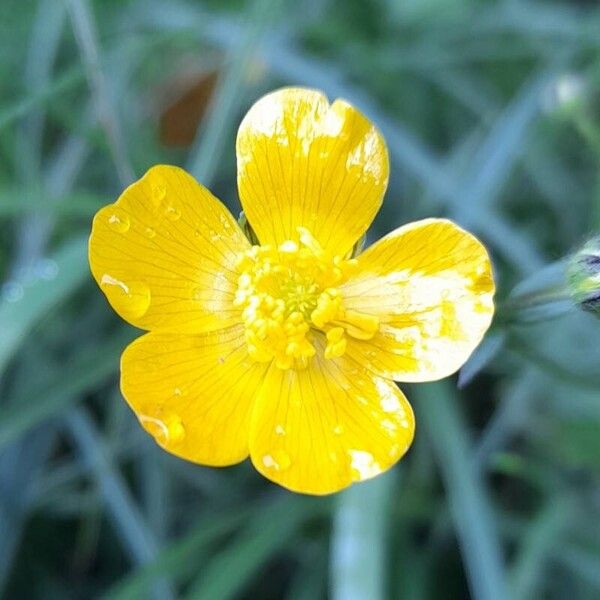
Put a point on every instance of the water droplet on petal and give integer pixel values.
(177, 392)
(158, 194)
(279, 460)
(118, 220)
(338, 429)
(168, 431)
(279, 429)
(173, 213)
(150, 232)
(176, 430)
(156, 428)
(131, 299)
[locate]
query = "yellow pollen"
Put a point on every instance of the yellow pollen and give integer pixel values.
(288, 296)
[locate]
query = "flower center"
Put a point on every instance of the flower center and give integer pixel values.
(289, 298)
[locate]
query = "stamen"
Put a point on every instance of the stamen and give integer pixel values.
(288, 295)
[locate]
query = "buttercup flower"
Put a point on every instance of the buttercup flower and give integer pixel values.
(287, 350)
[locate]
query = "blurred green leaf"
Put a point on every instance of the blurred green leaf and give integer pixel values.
(542, 536)
(65, 82)
(471, 512)
(484, 354)
(16, 202)
(180, 557)
(61, 389)
(25, 302)
(229, 572)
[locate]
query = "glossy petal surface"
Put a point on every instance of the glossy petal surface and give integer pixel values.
(193, 394)
(305, 163)
(319, 429)
(164, 254)
(430, 284)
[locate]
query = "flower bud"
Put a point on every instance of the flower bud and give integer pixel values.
(584, 276)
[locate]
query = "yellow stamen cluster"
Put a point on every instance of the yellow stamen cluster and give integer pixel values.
(288, 295)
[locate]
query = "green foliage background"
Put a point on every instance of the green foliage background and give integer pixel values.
(490, 111)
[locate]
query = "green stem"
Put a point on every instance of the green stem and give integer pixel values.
(358, 547)
(469, 506)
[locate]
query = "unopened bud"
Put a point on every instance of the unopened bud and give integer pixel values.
(584, 276)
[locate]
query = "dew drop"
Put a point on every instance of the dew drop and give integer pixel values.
(158, 194)
(338, 429)
(12, 291)
(172, 212)
(177, 392)
(118, 220)
(279, 429)
(156, 428)
(176, 430)
(279, 460)
(131, 300)
(150, 232)
(46, 269)
(168, 431)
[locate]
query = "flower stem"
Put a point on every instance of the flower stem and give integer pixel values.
(358, 546)
(472, 515)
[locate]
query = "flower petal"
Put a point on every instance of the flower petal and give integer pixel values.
(164, 254)
(305, 163)
(320, 429)
(430, 284)
(193, 394)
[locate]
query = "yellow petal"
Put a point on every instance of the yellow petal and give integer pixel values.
(430, 284)
(305, 163)
(193, 394)
(319, 429)
(164, 254)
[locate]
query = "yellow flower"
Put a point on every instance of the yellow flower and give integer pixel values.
(287, 351)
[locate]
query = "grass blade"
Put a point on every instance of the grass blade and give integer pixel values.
(24, 303)
(228, 573)
(87, 39)
(210, 141)
(58, 392)
(128, 521)
(472, 515)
